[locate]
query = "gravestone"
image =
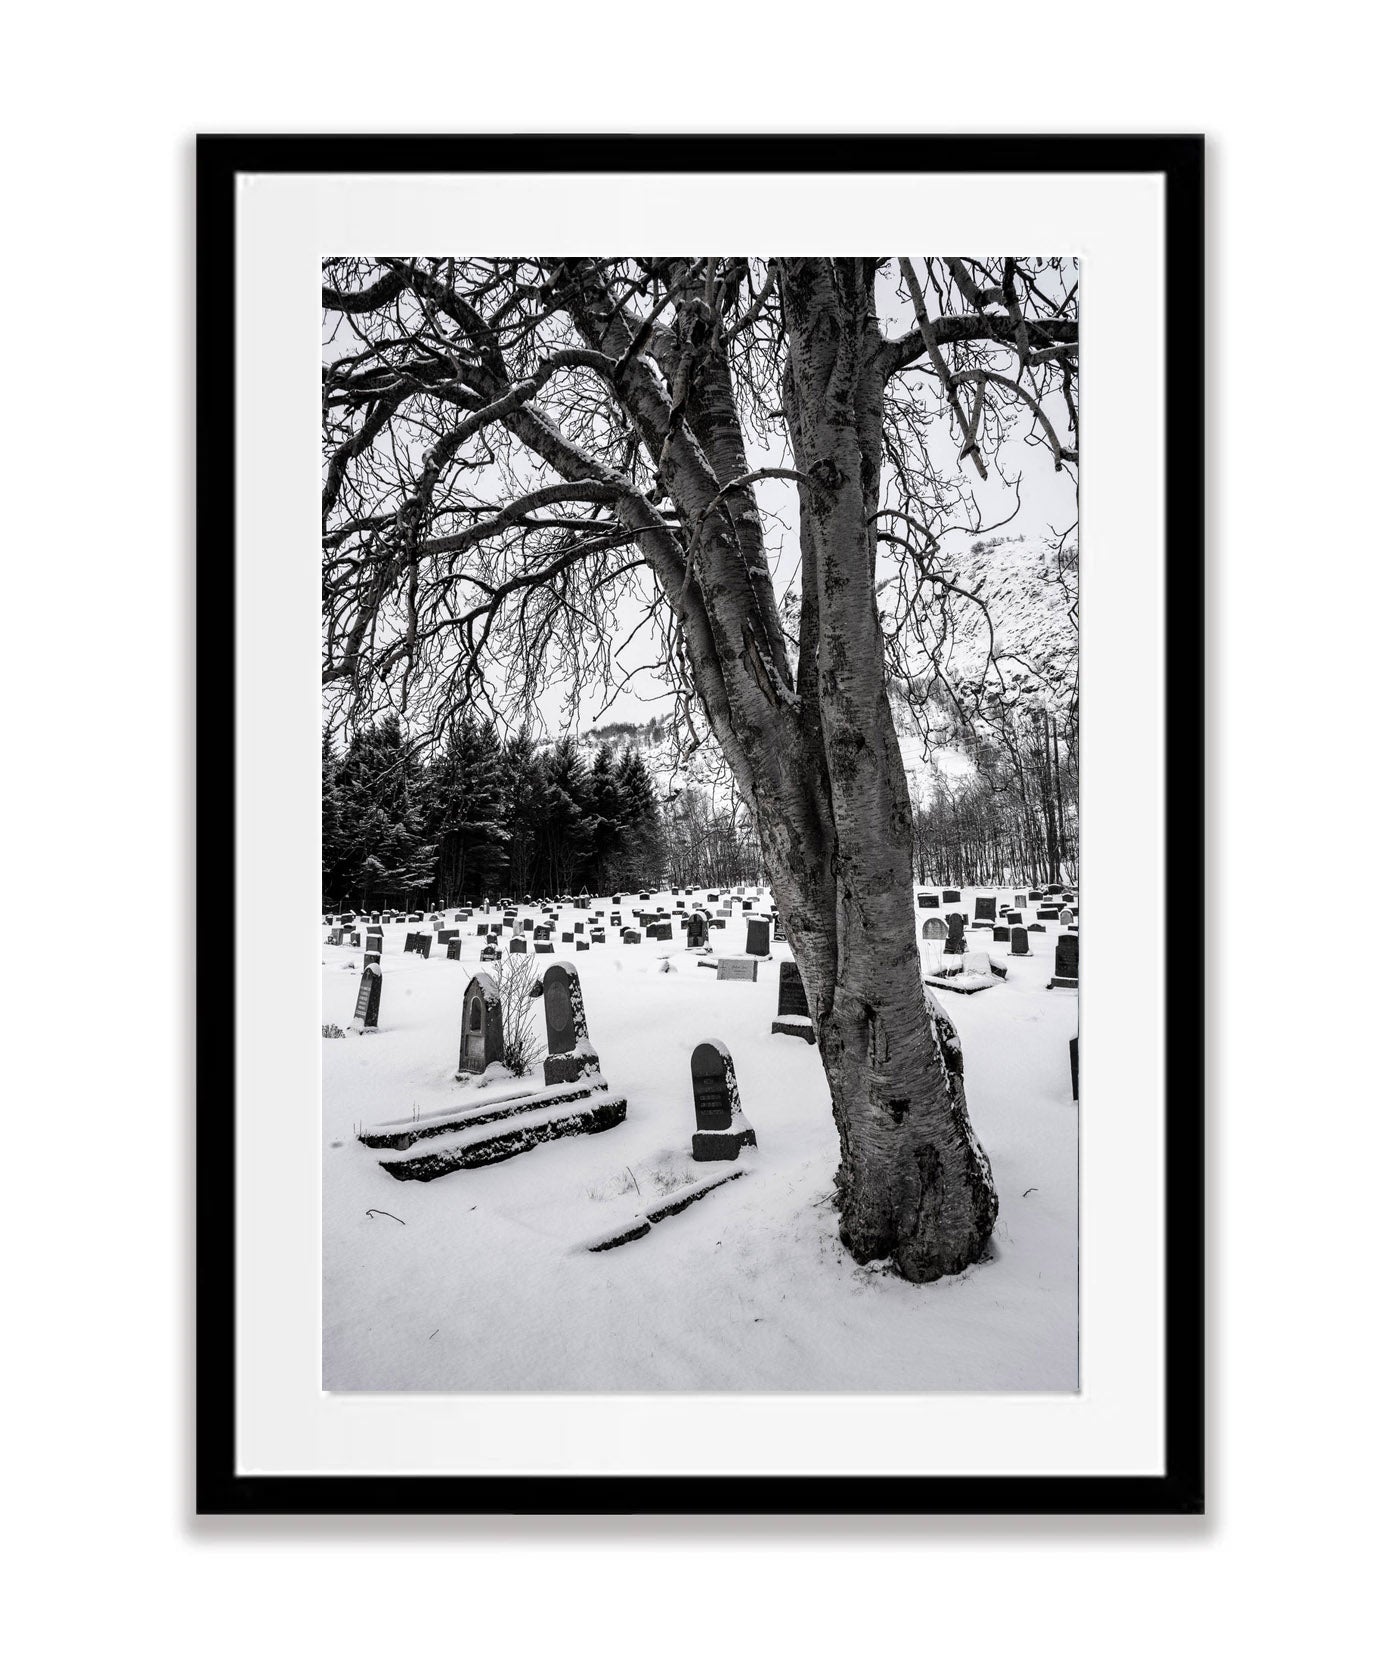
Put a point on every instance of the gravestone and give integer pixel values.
(410, 943)
(984, 911)
(1013, 918)
(1020, 901)
(367, 998)
(1020, 942)
(543, 947)
(955, 944)
(570, 1057)
(794, 1018)
(462, 916)
(517, 947)
(951, 896)
(1000, 934)
(483, 1036)
(1074, 1067)
(454, 948)
(738, 968)
(927, 901)
(631, 936)
(756, 940)
(355, 938)
(935, 928)
(445, 934)
(721, 1130)
(1066, 917)
(697, 933)
(1066, 963)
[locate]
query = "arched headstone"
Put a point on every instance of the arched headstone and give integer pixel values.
(571, 1056)
(482, 1038)
(935, 928)
(721, 1130)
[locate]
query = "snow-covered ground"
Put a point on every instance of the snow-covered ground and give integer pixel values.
(487, 1282)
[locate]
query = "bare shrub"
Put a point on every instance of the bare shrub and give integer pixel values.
(517, 980)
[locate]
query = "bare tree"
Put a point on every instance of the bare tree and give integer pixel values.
(537, 466)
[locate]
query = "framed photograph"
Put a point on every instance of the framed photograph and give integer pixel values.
(665, 723)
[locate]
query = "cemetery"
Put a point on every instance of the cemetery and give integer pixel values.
(654, 1081)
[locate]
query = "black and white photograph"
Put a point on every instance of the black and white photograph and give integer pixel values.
(701, 890)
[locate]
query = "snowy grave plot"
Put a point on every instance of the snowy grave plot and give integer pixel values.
(499, 1132)
(367, 999)
(666, 1208)
(721, 1130)
(1066, 976)
(793, 1018)
(975, 973)
(483, 1036)
(737, 968)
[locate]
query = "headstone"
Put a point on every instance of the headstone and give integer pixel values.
(927, 901)
(570, 1057)
(1020, 901)
(721, 1130)
(1066, 917)
(1013, 918)
(955, 944)
(517, 947)
(984, 910)
(951, 896)
(483, 1036)
(462, 916)
(444, 934)
(697, 933)
(738, 968)
(1001, 934)
(631, 936)
(355, 938)
(367, 998)
(1020, 942)
(756, 940)
(454, 948)
(794, 1018)
(1066, 962)
(935, 928)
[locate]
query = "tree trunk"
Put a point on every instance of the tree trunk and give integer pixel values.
(914, 1184)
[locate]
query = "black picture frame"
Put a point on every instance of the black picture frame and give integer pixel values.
(1179, 161)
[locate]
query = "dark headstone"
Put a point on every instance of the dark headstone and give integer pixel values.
(928, 901)
(1066, 961)
(1000, 934)
(794, 1019)
(483, 1037)
(984, 910)
(715, 1092)
(951, 896)
(697, 933)
(566, 1026)
(517, 947)
(756, 940)
(367, 998)
(1020, 942)
(955, 944)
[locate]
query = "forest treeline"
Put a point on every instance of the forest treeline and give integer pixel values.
(1015, 817)
(405, 823)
